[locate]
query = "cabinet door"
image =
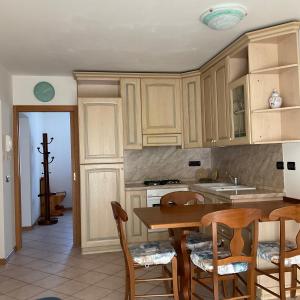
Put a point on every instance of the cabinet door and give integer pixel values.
(132, 112)
(222, 122)
(191, 101)
(100, 130)
(239, 91)
(208, 109)
(135, 229)
(100, 184)
(161, 106)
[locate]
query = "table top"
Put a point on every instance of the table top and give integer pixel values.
(191, 215)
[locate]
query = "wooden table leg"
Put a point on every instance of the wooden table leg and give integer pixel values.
(183, 263)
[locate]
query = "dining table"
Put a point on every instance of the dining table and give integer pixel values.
(181, 218)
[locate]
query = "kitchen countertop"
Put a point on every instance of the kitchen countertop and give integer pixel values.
(263, 194)
(242, 195)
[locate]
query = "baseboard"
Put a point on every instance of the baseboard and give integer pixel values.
(29, 228)
(4, 261)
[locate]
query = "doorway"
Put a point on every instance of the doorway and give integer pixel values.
(60, 122)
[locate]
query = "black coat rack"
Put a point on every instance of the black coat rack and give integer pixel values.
(47, 220)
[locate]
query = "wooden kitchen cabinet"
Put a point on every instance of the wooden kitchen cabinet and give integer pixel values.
(161, 106)
(215, 106)
(100, 184)
(132, 112)
(208, 109)
(191, 107)
(100, 130)
(136, 231)
(222, 122)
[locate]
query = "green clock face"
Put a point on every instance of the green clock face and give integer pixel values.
(44, 91)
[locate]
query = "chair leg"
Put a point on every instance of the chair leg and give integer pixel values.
(293, 281)
(193, 283)
(234, 286)
(224, 288)
(251, 282)
(216, 285)
(131, 285)
(282, 282)
(127, 287)
(175, 276)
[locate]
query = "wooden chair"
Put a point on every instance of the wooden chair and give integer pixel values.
(194, 238)
(285, 255)
(226, 264)
(138, 256)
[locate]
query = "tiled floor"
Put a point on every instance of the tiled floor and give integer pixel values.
(49, 266)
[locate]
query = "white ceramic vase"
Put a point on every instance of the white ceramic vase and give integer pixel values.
(275, 100)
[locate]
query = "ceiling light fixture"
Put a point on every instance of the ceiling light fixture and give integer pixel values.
(224, 16)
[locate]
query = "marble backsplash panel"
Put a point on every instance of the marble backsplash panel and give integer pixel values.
(163, 162)
(254, 165)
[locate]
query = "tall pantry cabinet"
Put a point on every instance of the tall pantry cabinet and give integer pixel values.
(101, 171)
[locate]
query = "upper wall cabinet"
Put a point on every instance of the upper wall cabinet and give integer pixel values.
(100, 130)
(208, 109)
(132, 112)
(161, 106)
(191, 107)
(223, 124)
(215, 106)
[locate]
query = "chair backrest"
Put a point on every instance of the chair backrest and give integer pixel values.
(121, 217)
(181, 198)
(237, 219)
(284, 214)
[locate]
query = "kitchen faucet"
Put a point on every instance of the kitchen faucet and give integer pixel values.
(233, 179)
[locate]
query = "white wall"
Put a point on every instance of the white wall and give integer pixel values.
(7, 221)
(25, 170)
(65, 90)
(291, 152)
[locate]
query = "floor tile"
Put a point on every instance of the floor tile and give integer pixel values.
(70, 287)
(50, 281)
(93, 293)
(25, 292)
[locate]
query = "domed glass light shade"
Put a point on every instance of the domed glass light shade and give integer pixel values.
(224, 16)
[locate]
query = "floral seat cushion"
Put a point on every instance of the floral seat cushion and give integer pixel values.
(152, 253)
(196, 240)
(270, 251)
(203, 258)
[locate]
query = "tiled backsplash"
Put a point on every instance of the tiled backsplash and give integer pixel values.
(163, 162)
(252, 164)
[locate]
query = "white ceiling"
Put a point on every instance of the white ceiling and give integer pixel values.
(54, 37)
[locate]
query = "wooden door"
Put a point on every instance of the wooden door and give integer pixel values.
(161, 105)
(208, 109)
(222, 123)
(100, 130)
(136, 231)
(191, 101)
(100, 184)
(132, 112)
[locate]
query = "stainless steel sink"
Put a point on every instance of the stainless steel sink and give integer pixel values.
(224, 186)
(234, 188)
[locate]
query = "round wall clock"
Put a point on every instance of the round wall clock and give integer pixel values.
(44, 91)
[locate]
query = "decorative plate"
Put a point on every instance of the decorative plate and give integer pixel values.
(44, 91)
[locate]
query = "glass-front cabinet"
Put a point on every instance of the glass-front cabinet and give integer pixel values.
(239, 91)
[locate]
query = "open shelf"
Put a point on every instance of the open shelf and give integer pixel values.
(280, 50)
(238, 64)
(285, 82)
(271, 110)
(277, 127)
(274, 70)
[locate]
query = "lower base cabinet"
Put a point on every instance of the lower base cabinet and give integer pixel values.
(136, 231)
(100, 184)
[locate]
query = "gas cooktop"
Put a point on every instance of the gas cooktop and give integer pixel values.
(162, 181)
